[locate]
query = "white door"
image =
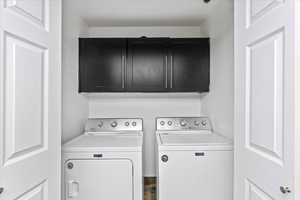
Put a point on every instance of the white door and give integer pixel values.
(264, 101)
(99, 179)
(30, 87)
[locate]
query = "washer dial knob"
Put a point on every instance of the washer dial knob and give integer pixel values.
(183, 123)
(100, 124)
(114, 124)
(70, 165)
(164, 158)
(204, 123)
(196, 123)
(162, 123)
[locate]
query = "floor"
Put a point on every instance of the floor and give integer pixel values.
(149, 188)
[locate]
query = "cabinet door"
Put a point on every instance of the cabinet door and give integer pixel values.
(189, 65)
(102, 64)
(147, 65)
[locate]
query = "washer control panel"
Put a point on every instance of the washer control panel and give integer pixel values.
(113, 124)
(183, 123)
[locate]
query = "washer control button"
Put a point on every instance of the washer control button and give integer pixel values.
(196, 123)
(70, 165)
(100, 124)
(162, 123)
(183, 123)
(164, 158)
(114, 124)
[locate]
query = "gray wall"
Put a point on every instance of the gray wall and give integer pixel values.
(219, 103)
(75, 106)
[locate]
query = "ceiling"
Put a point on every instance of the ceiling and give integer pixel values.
(146, 12)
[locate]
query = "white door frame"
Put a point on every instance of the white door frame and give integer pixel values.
(297, 99)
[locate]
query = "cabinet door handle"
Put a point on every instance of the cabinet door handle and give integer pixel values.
(166, 68)
(171, 71)
(123, 71)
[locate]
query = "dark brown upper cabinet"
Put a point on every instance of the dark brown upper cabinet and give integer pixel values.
(144, 65)
(147, 65)
(189, 65)
(102, 64)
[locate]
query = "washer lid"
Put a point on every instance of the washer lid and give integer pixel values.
(103, 141)
(193, 139)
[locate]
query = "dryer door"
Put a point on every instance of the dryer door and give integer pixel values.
(98, 179)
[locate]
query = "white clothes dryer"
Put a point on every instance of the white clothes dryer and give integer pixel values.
(105, 162)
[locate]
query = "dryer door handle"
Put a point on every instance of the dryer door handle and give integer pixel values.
(73, 189)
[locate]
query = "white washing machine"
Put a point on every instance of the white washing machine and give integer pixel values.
(194, 163)
(105, 163)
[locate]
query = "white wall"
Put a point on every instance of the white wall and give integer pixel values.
(219, 103)
(75, 106)
(148, 107)
(149, 31)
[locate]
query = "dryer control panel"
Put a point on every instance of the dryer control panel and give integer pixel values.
(183, 123)
(113, 124)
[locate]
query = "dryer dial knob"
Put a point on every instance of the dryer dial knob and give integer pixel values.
(70, 165)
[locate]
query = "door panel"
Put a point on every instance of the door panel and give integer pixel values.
(26, 91)
(34, 11)
(257, 9)
(264, 109)
(147, 65)
(255, 193)
(265, 87)
(30, 99)
(99, 179)
(39, 192)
